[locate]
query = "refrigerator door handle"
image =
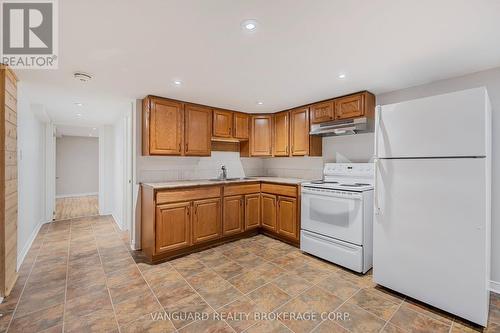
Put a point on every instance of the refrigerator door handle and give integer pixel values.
(378, 110)
(376, 205)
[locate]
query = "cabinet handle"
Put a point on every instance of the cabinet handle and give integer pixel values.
(180, 146)
(187, 208)
(186, 147)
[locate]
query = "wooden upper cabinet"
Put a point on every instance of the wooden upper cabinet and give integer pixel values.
(268, 211)
(321, 112)
(240, 126)
(252, 211)
(163, 125)
(198, 130)
(281, 134)
(349, 107)
(299, 131)
(223, 123)
(233, 215)
(172, 226)
(206, 220)
(287, 217)
(261, 135)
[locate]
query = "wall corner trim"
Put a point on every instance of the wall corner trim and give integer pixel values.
(495, 287)
(22, 254)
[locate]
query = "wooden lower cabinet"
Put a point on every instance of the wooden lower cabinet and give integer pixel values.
(233, 215)
(173, 226)
(268, 206)
(252, 211)
(287, 217)
(206, 220)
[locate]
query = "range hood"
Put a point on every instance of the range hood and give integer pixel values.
(343, 127)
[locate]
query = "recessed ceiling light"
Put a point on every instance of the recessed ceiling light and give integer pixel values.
(94, 128)
(82, 77)
(260, 103)
(78, 114)
(341, 76)
(249, 25)
(79, 104)
(177, 82)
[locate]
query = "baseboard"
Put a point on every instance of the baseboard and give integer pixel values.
(76, 195)
(117, 221)
(495, 287)
(26, 248)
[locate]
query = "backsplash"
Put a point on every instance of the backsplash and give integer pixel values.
(161, 169)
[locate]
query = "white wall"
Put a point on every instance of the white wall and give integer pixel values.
(490, 79)
(106, 169)
(118, 179)
(31, 167)
(77, 166)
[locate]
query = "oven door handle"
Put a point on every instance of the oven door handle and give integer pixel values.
(329, 194)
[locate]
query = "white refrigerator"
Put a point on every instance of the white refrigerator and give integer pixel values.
(431, 237)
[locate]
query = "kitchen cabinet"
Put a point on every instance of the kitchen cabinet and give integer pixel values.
(163, 127)
(252, 211)
(173, 226)
(349, 107)
(268, 206)
(198, 130)
(287, 217)
(321, 112)
(233, 215)
(281, 134)
(299, 132)
(261, 135)
(206, 220)
(222, 123)
(240, 125)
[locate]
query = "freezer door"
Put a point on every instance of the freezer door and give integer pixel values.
(439, 126)
(431, 234)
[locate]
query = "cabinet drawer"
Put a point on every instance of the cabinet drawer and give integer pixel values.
(188, 194)
(286, 190)
(241, 189)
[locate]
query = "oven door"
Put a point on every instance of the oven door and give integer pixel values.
(333, 214)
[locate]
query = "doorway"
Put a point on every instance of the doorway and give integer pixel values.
(77, 172)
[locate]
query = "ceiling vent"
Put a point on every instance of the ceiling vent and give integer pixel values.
(82, 77)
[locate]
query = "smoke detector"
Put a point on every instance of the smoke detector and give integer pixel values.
(82, 77)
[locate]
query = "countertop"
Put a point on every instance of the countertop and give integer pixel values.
(206, 182)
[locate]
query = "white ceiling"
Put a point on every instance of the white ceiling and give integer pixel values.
(135, 48)
(77, 131)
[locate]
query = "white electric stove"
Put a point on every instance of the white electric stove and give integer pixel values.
(337, 215)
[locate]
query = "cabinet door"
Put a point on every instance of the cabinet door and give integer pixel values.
(233, 215)
(349, 107)
(260, 136)
(223, 122)
(173, 226)
(198, 130)
(281, 134)
(240, 126)
(165, 124)
(268, 208)
(287, 217)
(321, 112)
(252, 211)
(299, 133)
(206, 220)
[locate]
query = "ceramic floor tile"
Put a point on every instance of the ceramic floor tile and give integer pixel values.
(84, 305)
(240, 314)
(375, 302)
(268, 326)
(428, 311)
(228, 270)
(413, 321)
(187, 309)
(256, 277)
(206, 326)
(292, 285)
(269, 297)
(153, 323)
(38, 320)
(389, 328)
(221, 295)
(188, 266)
(123, 276)
(359, 320)
(171, 294)
(133, 288)
(136, 307)
(338, 287)
(98, 321)
(330, 326)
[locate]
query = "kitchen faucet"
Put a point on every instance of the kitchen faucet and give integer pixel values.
(224, 172)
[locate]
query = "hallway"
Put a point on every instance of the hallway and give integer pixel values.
(73, 207)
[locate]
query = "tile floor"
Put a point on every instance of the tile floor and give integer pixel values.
(80, 277)
(73, 207)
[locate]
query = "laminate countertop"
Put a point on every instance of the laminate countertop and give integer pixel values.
(207, 182)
